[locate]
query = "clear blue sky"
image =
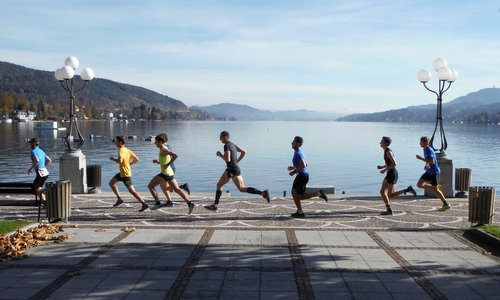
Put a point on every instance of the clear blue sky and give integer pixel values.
(341, 56)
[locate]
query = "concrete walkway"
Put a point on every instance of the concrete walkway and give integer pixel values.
(253, 250)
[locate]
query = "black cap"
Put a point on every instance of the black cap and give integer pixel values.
(34, 141)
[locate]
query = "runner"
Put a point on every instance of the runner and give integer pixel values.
(429, 180)
(39, 162)
(387, 191)
(166, 177)
(167, 189)
(126, 158)
(230, 156)
(299, 168)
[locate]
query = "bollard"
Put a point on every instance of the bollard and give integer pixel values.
(284, 193)
(58, 200)
(481, 205)
(462, 181)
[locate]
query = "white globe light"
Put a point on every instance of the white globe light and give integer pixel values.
(67, 72)
(87, 74)
(453, 75)
(58, 74)
(444, 73)
(72, 62)
(424, 75)
(440, 63)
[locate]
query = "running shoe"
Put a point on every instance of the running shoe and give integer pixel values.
(118, 202)
(298, 215)
(185, 187)
(144, 207)
(191, 207)
(169, 204)
(156, 206)
(266, 196)
(212, 207)
(445, 207)
(411, 190)
(322, 195)
(387, 213)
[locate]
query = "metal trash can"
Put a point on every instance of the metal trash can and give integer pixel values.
(481, 204)
(462, 181)
(94, 179)
(58, 200)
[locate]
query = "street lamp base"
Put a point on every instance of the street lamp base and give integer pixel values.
(72, 166)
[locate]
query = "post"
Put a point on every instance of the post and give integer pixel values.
(73, 162)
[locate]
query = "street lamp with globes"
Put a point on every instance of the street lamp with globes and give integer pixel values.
(65, 76)
(446, 77)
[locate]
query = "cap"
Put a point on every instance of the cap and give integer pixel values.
(34, 141)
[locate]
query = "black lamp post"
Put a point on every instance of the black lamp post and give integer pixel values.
(65, 76)
(446, 76)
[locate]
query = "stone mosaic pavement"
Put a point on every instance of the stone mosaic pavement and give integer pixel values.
(241, 211)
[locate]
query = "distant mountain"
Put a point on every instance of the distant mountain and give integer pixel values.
(28, 87)
(482, 106)
(230, 111)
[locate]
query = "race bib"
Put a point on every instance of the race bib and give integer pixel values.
(43, 172)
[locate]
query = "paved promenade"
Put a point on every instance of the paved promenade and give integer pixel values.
(253, 250)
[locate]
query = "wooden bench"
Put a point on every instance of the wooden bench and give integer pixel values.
(16, 188)
(20, 188)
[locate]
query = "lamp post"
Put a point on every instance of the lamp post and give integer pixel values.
(446, 76)
(65, 76)
(72, 165)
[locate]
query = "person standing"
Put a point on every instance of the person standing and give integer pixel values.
(429, 180)
(387, 191)
(230, 156)
(126, 159)
(299, 169)
(166, 177)
(39, 162)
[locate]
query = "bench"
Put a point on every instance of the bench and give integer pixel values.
(20, 188)
(16, 188)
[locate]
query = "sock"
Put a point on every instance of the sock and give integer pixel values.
(217, 197)
(299, 211)
(252, 190)
(388, 208)
(445, 203)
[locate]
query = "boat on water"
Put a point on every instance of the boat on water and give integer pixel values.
(49, 125)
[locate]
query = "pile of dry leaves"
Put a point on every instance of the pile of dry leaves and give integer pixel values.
(14, 245)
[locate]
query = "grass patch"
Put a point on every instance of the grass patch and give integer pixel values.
(7, 226)
(492, 229)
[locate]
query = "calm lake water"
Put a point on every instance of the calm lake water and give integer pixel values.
(341, 154)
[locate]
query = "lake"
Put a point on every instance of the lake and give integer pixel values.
(341, 154)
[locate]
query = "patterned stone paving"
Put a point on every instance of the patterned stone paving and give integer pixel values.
(240, 211)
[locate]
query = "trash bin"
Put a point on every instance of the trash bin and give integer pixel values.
(58, 200)
(94, 179)
(481, 204)
(462, 181)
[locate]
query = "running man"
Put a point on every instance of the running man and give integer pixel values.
(166, 189)
(429, 180)
(230, 156)
(387, 191)
(126, 158)
(39, 162)
(299, 168)
(166, 177)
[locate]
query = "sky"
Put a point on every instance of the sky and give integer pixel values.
(324, 55)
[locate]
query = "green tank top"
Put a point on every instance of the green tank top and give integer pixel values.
(163, 161)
